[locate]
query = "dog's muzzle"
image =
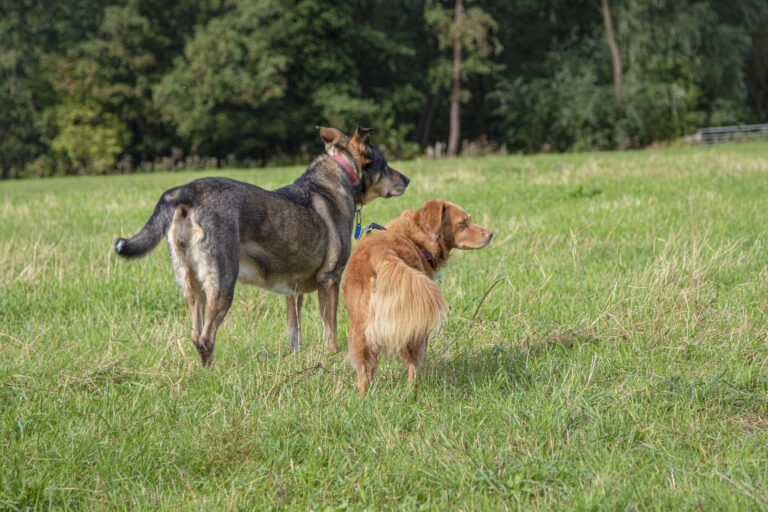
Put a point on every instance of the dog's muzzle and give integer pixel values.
(401, 188)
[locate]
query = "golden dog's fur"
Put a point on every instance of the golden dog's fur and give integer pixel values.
(389, 290)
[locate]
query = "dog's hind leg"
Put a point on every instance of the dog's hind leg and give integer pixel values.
(365, 368)
(328, 298)
(362, 358)
(219, 286)
(196, 301)
(178, 242)
(218, 305)
(414, 355)
(293, 306)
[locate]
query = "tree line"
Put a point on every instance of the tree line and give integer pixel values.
(97, 86)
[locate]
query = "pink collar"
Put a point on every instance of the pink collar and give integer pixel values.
(350, 172)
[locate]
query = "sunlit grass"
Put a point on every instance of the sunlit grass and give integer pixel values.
(621, 361)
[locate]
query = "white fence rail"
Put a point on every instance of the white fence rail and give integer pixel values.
(717, 134)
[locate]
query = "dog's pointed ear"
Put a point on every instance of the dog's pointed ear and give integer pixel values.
(431, 216)
(330, 135)
(362, 134)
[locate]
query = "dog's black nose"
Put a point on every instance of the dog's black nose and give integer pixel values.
(407, 180)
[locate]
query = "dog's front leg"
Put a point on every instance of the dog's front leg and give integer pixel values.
(328, 298)
(293, 305)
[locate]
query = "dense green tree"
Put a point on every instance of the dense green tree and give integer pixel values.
(683, 67)
(92, 85)
(110, 73)
(230, 69)
(90, 139)
(686, 63)
(28, 28)
(255, 80)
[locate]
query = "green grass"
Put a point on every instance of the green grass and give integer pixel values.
(621, 362)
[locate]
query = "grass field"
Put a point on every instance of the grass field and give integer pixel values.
(620, 361)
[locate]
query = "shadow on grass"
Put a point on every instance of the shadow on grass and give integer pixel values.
(506, 365)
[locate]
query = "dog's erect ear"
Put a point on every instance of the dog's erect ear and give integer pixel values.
(330, 135)
(431, 216)
(362, 134)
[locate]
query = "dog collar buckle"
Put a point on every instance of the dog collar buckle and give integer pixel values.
(370, 227)
(365, 229)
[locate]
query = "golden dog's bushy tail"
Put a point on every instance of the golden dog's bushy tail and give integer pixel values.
(406, 304)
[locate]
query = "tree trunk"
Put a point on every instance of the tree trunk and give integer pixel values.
(424, 128)
(453, 134)
(615, 55)
(757, 72)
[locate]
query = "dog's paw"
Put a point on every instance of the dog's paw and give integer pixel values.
(438, 276)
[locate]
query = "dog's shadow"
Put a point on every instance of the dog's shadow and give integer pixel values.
(505, 366)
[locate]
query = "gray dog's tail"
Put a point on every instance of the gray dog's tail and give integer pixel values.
(157, 225)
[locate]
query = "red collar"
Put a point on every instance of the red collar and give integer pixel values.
(350, 172)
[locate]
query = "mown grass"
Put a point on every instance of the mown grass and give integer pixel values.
(620, 362)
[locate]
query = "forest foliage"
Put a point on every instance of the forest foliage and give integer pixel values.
(97, 86)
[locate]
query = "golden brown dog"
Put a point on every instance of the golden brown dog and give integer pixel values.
(389, 290)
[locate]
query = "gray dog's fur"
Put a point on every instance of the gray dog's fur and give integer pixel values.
(291, 241)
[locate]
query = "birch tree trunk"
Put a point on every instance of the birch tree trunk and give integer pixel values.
(455, 121)
(615, 55)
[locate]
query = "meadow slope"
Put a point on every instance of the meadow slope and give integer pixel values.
(608, 350)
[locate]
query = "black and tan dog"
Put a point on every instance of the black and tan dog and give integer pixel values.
(291, 241)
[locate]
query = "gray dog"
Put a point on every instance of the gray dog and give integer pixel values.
(291, 241)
